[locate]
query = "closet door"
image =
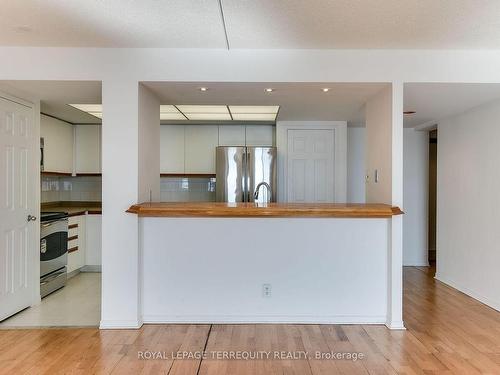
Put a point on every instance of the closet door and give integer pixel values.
(311, 166)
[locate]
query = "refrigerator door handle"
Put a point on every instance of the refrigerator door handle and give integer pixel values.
(246, 171)
(249, 197)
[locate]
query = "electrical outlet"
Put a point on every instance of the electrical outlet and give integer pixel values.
(266, 290)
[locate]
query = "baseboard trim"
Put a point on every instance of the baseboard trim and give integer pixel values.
(264, 319)
(416, 264)
(72, 273)
(91, 268)
(120, 324)
(471, 293)
(396, 326)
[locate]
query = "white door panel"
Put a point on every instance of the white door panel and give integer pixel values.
(19, 153)
(310, 166)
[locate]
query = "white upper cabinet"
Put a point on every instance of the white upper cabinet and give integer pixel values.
(190, 149)
(231, 135)
(260, 135)
(58, 144)
(172, 148)
(88, 149)
(200, 144)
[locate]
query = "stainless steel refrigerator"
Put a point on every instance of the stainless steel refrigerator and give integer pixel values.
(244, 171)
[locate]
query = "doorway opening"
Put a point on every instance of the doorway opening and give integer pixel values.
(433, 139)
(55, 200)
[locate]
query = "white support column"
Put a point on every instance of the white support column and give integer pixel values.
(395, 270)
(384, 161)
(129, 146)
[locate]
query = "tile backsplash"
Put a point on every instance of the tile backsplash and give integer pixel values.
(88, 189)
(81, 188)
(187, 189)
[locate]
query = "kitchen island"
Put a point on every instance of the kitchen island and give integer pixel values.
(272, 263)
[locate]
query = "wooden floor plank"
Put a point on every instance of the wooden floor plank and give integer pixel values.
(447, 333)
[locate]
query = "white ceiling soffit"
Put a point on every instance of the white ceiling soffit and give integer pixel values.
(435, 101)
(322, 24)
(296, 101)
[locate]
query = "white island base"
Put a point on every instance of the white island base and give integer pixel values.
(212, 270)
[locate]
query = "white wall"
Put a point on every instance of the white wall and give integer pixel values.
(415, 197)
(356, 147)
(415, 189)
(468, 202)
(379, 147)
(149, 146)
(148, 64)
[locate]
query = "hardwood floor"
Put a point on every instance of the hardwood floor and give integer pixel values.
(448, 333)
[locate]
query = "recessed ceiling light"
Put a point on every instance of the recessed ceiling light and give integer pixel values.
(408, 112)
(203, 89)
(269, 89)
(325, 89)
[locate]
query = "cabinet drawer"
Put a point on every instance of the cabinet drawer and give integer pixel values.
(73, 232)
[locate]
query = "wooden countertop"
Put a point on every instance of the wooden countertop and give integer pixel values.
(74, 208)
(218, 209)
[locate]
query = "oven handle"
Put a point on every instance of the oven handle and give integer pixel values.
(48, 228)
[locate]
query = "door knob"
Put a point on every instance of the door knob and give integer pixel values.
(31, 218)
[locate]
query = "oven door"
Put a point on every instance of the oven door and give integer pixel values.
(53, 246)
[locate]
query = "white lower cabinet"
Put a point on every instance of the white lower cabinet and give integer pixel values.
(84, 243)
(76, 242)
(93, 245)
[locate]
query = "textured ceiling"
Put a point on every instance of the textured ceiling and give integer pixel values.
(322, 24)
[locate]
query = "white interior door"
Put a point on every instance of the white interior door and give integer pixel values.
(311, 166)
(19, 158)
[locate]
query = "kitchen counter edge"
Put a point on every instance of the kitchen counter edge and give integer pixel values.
(212, 209)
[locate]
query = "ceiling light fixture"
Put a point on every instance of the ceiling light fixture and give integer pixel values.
(203, 89)
(254, 108)
(92, 109)
(219, 112)
(269, 89)
(325, 89)
(409, 112)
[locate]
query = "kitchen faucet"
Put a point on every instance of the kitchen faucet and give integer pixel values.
(256, 192)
